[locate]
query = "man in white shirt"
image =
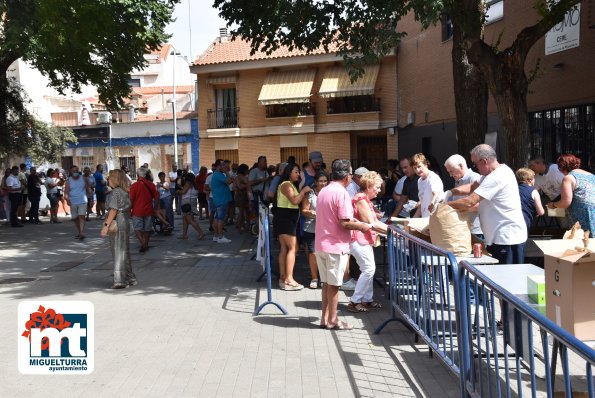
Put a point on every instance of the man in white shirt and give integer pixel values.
(15, 189)
(548, 179)
(499, 202)
(456, 165)
(173, 176)
(353, 188)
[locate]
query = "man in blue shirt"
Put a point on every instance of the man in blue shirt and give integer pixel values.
(221, 197)
(100, 184)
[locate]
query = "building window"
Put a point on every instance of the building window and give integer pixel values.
(134, 82)
(564, 130)
(300, 153)
(87, 161)
(494, 11)
(291, 110)
(130, 163)
(358, 103)
(446, 21)
(226, 113)
(228, 154)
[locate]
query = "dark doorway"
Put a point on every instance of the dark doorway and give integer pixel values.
(371, 152)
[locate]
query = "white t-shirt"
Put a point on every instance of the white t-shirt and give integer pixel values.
(500, 212)
(425, 188)
(173, 176)
(208, 182)
(469, 178)
(399, 186)
(551, 182)
(352, 189)
(13, 181)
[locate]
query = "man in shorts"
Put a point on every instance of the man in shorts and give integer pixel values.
(75, 193)
(145, 199)
(334, 220)
(100, 186)
(219, 185)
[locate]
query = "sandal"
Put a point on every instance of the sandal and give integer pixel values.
(340, 326)
(373, 305)
(356, 307)
(293, 286)
(119, 286)
(313, 284)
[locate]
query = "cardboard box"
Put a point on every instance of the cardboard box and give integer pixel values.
(570, 285)
(536, 288)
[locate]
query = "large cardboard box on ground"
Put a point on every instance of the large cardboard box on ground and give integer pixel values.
(570, 285)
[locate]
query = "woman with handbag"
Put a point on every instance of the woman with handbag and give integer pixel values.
(362, 243)
(117, 226)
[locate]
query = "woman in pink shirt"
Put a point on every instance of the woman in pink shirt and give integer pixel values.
(362, 243)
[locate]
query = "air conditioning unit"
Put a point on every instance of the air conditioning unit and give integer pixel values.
(104, 118)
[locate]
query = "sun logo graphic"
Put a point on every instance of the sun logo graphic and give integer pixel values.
(56, 337)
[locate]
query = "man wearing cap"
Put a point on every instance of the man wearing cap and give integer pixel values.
(313, 167)
(353, 187)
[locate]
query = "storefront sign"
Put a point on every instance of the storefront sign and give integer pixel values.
(566, 34)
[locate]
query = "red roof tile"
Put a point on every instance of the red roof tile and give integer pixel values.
(238, 50)
(163, 52)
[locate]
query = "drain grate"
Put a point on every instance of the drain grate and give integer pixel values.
(16, 280)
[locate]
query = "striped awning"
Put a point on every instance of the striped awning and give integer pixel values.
(287, 87)
(222, 79)
(337, 83)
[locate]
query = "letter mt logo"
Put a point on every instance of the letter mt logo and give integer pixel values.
(56, 337)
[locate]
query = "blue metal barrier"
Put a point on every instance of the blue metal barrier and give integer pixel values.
(430, 294)
(267, 271)
(422, 287)
(502, 355)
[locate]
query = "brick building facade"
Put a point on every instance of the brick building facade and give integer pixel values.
(561, 99)
(286, 104)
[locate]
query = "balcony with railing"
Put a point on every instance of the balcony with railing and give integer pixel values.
(223, 118)
(355, 104)
(291, 110)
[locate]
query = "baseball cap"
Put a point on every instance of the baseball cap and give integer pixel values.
(315, 156)
(360, 171)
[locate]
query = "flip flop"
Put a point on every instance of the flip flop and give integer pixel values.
(357, 307)
(373, 305)
(340, 326)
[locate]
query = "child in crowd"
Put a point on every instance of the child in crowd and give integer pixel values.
(429, 185)
(530, 201)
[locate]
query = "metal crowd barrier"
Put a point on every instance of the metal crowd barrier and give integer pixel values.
(265, 242)
(430, 294)
(422, 294)
(512, 349)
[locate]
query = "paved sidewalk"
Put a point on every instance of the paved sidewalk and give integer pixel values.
(188, 329)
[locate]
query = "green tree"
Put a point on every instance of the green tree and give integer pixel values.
(78, 42)
(365, 30)
(28, 135)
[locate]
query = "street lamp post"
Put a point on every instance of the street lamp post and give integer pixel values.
(173, 105)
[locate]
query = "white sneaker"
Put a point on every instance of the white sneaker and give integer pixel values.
(349, 285)
(223, 239)
(215, 239)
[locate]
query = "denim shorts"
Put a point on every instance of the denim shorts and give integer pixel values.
(221, 213)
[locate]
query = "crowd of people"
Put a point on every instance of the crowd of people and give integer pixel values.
(336, 213)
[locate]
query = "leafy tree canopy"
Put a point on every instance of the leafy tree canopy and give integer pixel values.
(28, 135)
(79, 42)
(363, 31)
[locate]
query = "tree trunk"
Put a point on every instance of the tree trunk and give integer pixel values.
(509, 86)
(471, 98)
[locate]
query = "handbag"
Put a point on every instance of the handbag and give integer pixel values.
(112, 228)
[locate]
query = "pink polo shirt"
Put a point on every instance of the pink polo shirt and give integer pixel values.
(332, 206)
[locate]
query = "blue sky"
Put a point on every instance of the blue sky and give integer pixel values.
(196, 27)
